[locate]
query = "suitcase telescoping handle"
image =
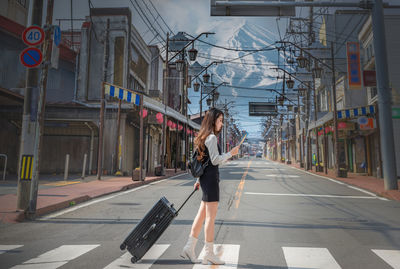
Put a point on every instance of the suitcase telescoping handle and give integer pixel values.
(187, 200)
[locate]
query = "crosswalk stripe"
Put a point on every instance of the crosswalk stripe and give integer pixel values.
(148, 259)
(6, 248)
(391, 257)
(227, 252)
(302, 257)
(56, 257)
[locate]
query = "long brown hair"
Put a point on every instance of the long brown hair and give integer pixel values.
(207, 127)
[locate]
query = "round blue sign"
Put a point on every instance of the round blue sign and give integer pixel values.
(57, 36)
(31, 57)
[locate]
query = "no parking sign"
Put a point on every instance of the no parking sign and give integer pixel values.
(31, 57)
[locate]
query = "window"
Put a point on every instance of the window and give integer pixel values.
(22, 2)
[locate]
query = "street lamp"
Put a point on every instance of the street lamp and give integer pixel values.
(180, 65)
(216, 95)
(209, 100)
(317, 71)
(206, 77)
(192, 54)
(196, 86)
(301, 60)
(290, 83)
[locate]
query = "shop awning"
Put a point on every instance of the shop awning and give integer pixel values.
(159, 107)
(343, 114)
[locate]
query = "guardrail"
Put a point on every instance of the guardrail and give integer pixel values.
(5, 165)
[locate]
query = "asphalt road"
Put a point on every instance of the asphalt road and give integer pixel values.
(270, 216)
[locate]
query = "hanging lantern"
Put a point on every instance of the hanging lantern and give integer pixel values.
(290, 83)
(206, 77)
(144, 113)
(290, 107)
(192, 54)
(160, 117)
(169, 123)
(180, 127)
(179, 65)
(209, 100)
(196, 86)
(173, 125)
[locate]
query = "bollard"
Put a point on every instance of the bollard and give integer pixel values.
(5, 165)
(84, 165)
(66, 167)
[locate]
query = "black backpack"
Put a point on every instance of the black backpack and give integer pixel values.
(197, 167)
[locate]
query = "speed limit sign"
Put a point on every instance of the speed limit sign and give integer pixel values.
(33, 35)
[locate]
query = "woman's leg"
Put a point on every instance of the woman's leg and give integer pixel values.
(198, 221)
(188, 249)
(211, 213)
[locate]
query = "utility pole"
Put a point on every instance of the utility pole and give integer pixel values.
(335, 123)
(317, 163)
(28, 117)
(117, 142)
(141, 138)
(165, 99)
(102, 105)
(384, 98)
(39, 127)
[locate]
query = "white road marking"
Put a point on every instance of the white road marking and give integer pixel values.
(57, 257)
(227, 252)
(310, 195)
(105, 198)
(367, 192)
(282, 175)
(146, 262)
(391, 257)
(301, 257)
(342, 183)
(6, 248)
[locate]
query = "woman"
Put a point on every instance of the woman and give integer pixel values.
(207, 145)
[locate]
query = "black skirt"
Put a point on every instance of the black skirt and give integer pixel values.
(209, 183)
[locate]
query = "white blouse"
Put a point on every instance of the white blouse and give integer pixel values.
(212, 146)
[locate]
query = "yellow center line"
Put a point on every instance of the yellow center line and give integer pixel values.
(240, 187)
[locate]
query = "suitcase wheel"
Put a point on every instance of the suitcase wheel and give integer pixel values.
(122, 246)
(133, 259)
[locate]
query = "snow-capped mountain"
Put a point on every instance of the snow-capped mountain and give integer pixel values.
(250, 69)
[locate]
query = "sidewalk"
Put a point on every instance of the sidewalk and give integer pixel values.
(60, 197)
(368, 183)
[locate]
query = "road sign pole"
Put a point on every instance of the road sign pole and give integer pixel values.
(40, 114)
(28, 126)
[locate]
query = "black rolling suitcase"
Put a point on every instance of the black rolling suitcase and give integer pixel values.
(150, 228)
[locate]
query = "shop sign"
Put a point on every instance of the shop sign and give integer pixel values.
(353, 65)
(346, 126)
(369, 77)
(396, 112)
(369, 125)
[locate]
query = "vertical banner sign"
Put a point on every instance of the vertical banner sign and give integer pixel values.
(353, 65)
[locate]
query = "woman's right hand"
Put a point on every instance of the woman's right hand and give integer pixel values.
(196, 185)
(235, 151)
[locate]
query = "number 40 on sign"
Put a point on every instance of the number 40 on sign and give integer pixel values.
(33, 35)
